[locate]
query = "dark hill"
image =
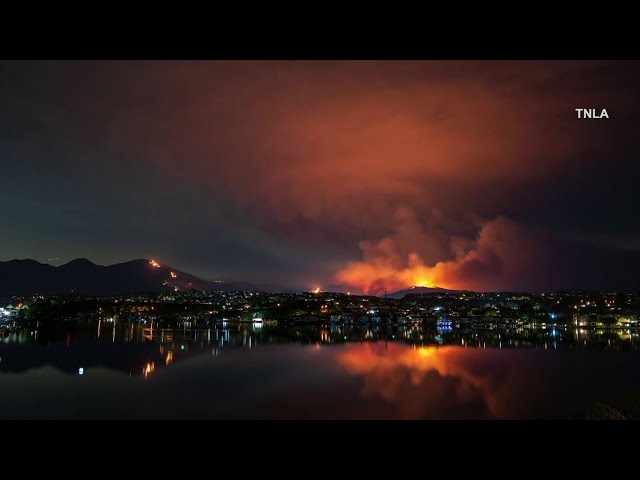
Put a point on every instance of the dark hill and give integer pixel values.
(81, 276)
(417, 290)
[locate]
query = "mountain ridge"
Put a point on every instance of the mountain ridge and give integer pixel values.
(420, 290)
(23, 277)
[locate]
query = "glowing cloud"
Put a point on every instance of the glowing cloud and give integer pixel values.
(296, 162)
(504, 255)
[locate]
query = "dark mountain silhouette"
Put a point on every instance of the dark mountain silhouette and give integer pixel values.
(81, 276)
(414, 290)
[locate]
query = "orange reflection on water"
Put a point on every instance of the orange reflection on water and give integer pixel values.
(417, 379)
(148, 369)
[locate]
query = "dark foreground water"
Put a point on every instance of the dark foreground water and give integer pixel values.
(297, 372)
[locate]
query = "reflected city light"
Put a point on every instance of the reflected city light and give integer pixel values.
(148, 369)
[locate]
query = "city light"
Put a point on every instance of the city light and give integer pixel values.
(148, 369)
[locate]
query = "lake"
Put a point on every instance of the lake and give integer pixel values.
(246, 371)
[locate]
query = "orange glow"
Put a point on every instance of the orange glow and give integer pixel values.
(495, 260)
(169, 357)
(424, 282)
(396, 372)
(153, 263)
(148, 369)
(174, 275)
(426, 351)
(383, 273)
(316, 290)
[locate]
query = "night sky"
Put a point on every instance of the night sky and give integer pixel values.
(370, 175)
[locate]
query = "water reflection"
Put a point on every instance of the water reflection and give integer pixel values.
(342, 371)
(172, 341)
(423, 381)
(457, 382)
(148, 369)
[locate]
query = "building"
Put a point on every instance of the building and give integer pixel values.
(585, 319)
(9, 312)
(627, 322)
